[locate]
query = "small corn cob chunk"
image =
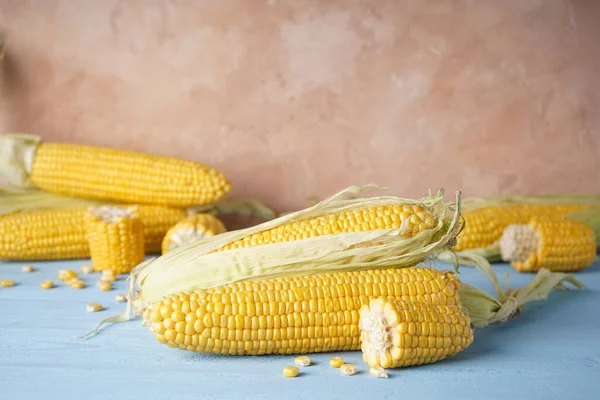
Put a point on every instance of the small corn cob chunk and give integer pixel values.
(60, 234)
(116, 238)
(190, 229)
(398, 333)
(415, 218)
(125, 176)
(484, 226)
(556, 244)
(294, 315)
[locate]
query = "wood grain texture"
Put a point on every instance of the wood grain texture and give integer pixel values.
(550, 352)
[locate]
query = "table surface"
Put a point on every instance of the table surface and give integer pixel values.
(551, 351)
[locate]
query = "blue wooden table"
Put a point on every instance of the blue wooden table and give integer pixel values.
(551, 351)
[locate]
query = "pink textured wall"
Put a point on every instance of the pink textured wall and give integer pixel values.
(294, 99)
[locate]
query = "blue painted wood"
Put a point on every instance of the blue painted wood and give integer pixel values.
(552, 351)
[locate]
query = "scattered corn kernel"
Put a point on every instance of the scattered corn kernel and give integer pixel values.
(348, 369)
(108, 276)
(7, 283)
(121, 298)
(290, 372)
(336, 362)
(77, 283)
(94, 307)
(378, 372)
(87, 269)
(28, 268)
(104, 285)
(47, 284)
(66, 274)
(302, 361)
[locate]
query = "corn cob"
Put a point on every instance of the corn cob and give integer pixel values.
(556, 244)
(399, 333)
(60, 234)
(110, 174)
(290, 315)
(484, 226)
(190, 229)
(116, 238)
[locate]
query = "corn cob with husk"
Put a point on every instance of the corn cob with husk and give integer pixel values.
(191, 229)
(108, 174)
(557, 244)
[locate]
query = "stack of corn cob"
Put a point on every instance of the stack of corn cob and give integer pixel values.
(557, 232)
(162, 189)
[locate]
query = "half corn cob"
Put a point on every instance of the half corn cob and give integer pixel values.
(556, 244)
(399, 333)
(290, 315)
(116, 238)
(110, 174)
(190, 229)
(60, 234)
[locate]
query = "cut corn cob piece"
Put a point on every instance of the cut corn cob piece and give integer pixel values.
(556, 244)
(192, 228)
(60, 234)
(398, 333)
(116, 238)
(110, 174)
(484, 226)
(291, 315)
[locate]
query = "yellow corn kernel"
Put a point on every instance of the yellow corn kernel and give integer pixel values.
(77, 284)
(302, 361)
(108, 276)
(378, 372)
(293, 315)
(348, 369)
(121, 298)
(66, 274)
(556, 244)
(116, 238)
(47, 284)
(392, 328)
(290, 372)
(336, 362)
(191, 229)
(104, 285)
(87, 269)
(28, 268)
(94, 307)
(7, 283)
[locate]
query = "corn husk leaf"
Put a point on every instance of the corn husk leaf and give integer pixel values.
(15, 200)
(16, 158)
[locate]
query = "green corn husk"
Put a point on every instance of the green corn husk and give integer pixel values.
(14, 200)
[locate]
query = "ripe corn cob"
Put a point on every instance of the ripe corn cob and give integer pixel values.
(484, 226)
(399, 333)
(414, 218)
(60, 234)
(556, 244)
(110, 174)
(116, 238)
(190, 229)
(292, 315)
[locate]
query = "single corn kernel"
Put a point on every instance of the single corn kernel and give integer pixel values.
(109, 276)
(94, 307)
(47, 284)
(348, 369)
(121, 298)
(77, 284)
(66, 274)
(7, 283)
(87, 269)
(336, 362)
(290, 372)
(28, 268)
(104, 285)
(378, 372)
(302, 361)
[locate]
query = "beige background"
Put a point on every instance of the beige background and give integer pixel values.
(295, 98)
